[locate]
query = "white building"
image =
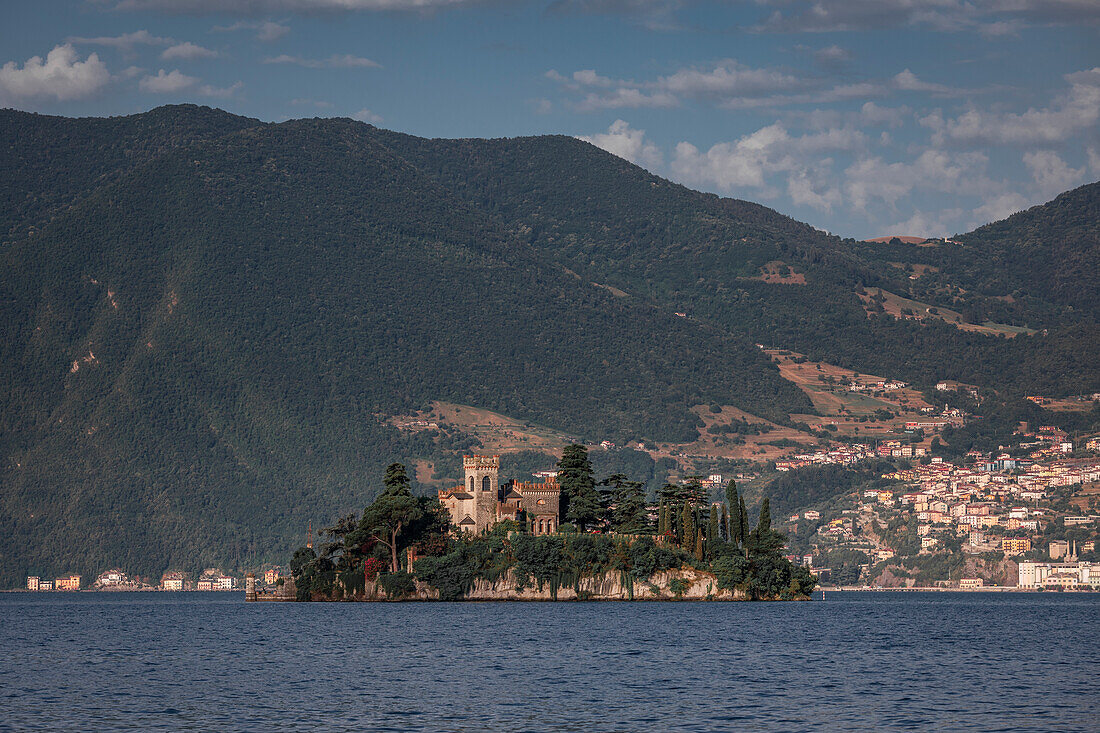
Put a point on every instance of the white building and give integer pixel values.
(1059, 575)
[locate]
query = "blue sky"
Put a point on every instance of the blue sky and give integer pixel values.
(861, 117)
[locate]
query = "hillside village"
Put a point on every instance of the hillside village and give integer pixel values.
(988, 520)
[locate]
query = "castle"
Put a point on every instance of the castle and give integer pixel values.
(482, 500)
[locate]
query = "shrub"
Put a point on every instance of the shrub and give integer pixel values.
(397, 585)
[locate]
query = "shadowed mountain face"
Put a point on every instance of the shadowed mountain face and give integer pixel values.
(205, 320)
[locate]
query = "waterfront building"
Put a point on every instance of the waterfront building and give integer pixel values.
(482, 500)
(1065, 576)
(69, 582)
(172, 580)
(33, 582)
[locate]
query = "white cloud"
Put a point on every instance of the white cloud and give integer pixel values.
(1052, 174)
(61, 76)
(125, 42)
(266, 30)
(872, 114)
(725, 82)
(923, 224)
(728, 79)
(997, 207)
(365, 115)
(221, 92)
(653, 14)
(542, 106)
(832, 56)
(275, 6)
(804, 191)
(1075, 110)
(1000, 28)
(732, 85)
(1094, 161)
(187, 51)
(623, 98)
(933, 170)
(627, 143)
(336, 61)
(907, 81)
(745, 162)
(940, 15)
(167, 82)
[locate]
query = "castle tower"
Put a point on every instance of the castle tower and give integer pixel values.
(483, 481)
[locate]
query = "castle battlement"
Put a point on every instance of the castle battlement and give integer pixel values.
(483, 462)
(548, 485)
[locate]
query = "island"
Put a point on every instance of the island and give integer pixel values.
(564, 538)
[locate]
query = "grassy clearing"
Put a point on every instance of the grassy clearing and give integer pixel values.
(901, 307)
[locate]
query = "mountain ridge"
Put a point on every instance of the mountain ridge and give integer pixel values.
(207, 324)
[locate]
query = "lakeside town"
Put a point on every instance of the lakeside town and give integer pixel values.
(990, 519)
(211, 579)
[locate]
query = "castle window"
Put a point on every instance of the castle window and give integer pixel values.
(486, 484)
(540, 502)
(471, 484)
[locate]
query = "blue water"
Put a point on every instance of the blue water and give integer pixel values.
(860, 661)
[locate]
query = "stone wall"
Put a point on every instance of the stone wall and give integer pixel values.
(699, 586)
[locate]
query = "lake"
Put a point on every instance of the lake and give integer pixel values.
(858, 661)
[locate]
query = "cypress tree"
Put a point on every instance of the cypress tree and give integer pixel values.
(742, 521)
(726, 522)
(699, 546)
(662, 519)
(712, 529)
(736, 505)
(765, 523)
(687, 522)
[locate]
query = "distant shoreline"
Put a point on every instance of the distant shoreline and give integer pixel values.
(983, 589)
(117, 590)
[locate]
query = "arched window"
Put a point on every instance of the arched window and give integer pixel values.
(486, 484)
(471, 484)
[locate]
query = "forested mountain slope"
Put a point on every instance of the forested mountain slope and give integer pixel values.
(205, 321)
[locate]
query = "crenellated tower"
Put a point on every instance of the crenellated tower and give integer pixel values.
(483, 482)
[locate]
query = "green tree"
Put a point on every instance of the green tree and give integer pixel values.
(578, 488)
(735, 503)
(765, 523)
(627, 512)
(687, 527)
(742, 521)
(714, 533)
(303, 569)
(389, 517)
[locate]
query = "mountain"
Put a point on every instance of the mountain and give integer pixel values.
(207, 322)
